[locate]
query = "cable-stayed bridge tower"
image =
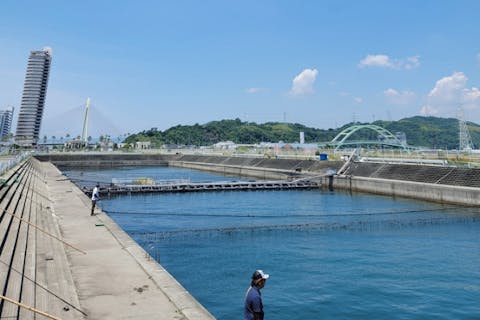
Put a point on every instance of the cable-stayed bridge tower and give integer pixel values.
(464, 136)
(85, 122)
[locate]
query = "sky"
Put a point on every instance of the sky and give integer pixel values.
(323, 64)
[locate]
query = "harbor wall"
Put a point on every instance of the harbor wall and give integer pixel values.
(77, 160)
(416, 190)
(259, 173)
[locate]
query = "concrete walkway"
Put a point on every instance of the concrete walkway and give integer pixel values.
(116, 278)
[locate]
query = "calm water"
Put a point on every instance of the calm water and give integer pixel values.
(330, 255)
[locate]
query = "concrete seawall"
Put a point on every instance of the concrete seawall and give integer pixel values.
(75, 160)
(260, 173)
(416, 190)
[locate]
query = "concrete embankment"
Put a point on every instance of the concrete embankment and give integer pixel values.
(76, 160)
(416, 190)
(443, 184)
(79, 266)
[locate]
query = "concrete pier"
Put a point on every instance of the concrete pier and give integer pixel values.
(84, 267)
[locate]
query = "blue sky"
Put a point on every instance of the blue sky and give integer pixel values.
(320, 63)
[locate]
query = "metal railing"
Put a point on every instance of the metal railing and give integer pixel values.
(8, 163)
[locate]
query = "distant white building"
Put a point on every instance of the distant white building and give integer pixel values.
(123, 145)
(141, 145)
(225, 145)
(302, 137)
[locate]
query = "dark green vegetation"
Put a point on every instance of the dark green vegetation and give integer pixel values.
(430, 132)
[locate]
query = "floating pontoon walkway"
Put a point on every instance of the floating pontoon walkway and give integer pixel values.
(210, 186)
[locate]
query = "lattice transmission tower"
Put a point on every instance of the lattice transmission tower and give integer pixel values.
(464, 136)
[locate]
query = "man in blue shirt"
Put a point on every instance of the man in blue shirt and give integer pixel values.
(253, 298)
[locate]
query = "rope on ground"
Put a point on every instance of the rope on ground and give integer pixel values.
(46, 232)
(43, 313)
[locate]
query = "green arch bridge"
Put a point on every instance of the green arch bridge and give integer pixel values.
(385, 138)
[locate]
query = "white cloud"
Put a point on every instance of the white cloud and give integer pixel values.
(384, 61)
(449, 93)
(471, 95)
(399, 98)
(302, 84)
(377, 60)
(358, 99)
(449, 88)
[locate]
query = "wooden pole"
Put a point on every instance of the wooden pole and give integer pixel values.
(47, 233)
(29, 308)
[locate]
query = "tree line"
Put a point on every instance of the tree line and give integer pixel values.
(429, 132)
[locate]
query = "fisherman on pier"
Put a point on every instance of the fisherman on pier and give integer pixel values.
(95, 197)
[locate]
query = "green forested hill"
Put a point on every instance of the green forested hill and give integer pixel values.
(430, 132)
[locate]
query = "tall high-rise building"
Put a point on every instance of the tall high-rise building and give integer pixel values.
(6, 117)
(33, 98)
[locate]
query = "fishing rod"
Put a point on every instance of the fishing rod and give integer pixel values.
(44, 288)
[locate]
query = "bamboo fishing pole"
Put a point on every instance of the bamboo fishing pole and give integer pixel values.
(44, 288)
(29, 308)
(46, 232)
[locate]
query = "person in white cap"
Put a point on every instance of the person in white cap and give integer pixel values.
(95, 197)
(253, 309)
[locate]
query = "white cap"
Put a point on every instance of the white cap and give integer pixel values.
(259, 274)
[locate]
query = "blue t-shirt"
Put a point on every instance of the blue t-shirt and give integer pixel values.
(253, 303)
